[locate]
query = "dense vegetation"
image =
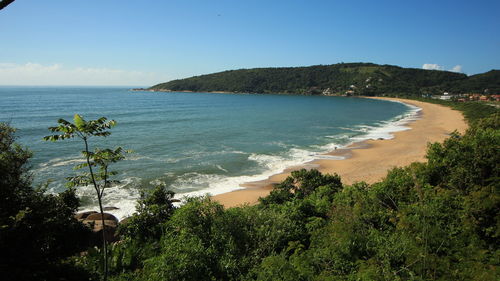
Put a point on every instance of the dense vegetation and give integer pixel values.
(488, 83)
(354, 78)
(37, 231)
(472, 111)
(429, 221)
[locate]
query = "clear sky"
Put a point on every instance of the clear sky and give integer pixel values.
(144, 42)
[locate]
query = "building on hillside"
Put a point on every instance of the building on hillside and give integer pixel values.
(445, 96)
(349, 93)
(474, 96)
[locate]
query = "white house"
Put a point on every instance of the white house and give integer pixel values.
(445, 96)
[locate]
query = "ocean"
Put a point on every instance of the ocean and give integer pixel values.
(194, 143)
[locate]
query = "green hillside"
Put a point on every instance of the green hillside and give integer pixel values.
(354, 78)
(488, 83)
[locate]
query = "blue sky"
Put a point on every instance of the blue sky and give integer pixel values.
(112, 42)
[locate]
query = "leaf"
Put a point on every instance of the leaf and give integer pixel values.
(79, 122)
(80, 166)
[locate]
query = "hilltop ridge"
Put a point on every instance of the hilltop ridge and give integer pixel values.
(367, 79)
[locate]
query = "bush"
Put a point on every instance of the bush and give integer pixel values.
(153, 210)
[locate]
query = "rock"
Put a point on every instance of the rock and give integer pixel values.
(106, 216)
(125, 220)
(94, 221)
(110, 208)
(83, 215)
(96, 225)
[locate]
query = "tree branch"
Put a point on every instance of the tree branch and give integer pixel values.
(5, 3)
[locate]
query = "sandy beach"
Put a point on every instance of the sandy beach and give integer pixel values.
(370, 160)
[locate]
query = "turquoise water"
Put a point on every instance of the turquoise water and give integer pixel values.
(193, 142)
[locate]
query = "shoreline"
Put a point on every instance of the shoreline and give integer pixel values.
(367, 160)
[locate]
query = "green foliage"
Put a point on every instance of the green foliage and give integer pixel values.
(153, 210)
(487, 83)
(277, 267)
(203, 241)
(15, 179)
(463, 162)
(139, 233)
(127, 256)
(473, 111)
(190, 245)
(301, 184)
(37, 230)
(81, 128)
(99, 158)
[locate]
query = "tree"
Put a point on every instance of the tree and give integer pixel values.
(37, 230)
(99, 158)
(301, 184)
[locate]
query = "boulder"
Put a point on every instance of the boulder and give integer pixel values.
(83, 215)
(95, 223)
(97, 216)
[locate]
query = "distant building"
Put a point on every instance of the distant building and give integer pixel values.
(445, 96)
(474, 96)
(328, 92)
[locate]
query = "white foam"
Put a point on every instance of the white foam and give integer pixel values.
(330, 157)
(122, 196)
(385, 129)
(220, 168)
(135, 157)
(343, 136)
(68, 162)
(218, 184)
(60, 161)
(275, 164)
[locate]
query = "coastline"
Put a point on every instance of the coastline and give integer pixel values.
(367, 160)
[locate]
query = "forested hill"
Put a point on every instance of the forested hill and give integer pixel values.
(487, 83)
(337, 79)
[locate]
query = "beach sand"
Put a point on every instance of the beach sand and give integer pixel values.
(370, 160)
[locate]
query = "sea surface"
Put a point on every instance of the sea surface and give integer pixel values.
(194, 143)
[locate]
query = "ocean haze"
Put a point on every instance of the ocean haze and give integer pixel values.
(193, 143)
